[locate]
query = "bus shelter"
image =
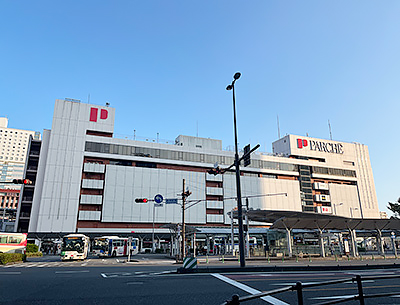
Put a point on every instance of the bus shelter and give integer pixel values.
(291, 220)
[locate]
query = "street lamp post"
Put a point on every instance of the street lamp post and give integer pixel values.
(239, 194)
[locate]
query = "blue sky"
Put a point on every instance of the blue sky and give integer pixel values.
(164, 66)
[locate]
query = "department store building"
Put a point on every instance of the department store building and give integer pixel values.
(87, 180)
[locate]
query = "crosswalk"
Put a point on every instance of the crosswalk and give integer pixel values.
(45, 265)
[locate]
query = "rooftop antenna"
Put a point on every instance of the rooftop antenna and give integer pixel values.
(279, 131)
(330, 130)
(107, 104)
(134, 134)
(88, 99)
(197, 133)
(158, 135)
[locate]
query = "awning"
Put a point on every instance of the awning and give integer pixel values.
(302, 220)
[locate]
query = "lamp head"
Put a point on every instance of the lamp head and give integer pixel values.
(229, 87)
(237, 75)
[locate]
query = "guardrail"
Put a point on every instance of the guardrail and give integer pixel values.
(299, 289)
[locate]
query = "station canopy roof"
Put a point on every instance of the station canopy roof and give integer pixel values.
(302, 220)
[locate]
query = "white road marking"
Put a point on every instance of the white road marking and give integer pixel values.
(73, 271)
(248, 289)
(334, 297)
(163, 272)
(11, 272)
(103, 275)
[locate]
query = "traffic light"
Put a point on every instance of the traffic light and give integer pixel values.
(22, 181)
(141, 200)
(215, 171)
(246, 159)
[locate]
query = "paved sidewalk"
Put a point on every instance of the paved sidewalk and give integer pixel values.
(232, 264)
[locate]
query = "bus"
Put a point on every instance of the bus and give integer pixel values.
(13, 242)
(114, 246)
(75, 246)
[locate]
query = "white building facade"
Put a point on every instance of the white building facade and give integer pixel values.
(88, 181)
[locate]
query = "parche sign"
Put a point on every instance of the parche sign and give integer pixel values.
(333, 148)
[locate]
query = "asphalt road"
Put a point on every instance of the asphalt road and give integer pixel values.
(147, 281)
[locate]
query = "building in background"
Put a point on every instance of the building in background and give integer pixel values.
(14, 144)
(87, 180)
(13, 151)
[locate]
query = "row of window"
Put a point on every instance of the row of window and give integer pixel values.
(180, 156)
(211, 159)
(334, 171)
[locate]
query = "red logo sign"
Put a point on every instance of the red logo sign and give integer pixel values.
(302, 143)
(94, 114)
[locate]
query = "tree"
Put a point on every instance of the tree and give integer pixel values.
(395, 208)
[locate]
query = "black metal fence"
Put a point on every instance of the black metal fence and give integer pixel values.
(298, 288)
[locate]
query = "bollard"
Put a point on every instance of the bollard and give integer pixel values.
(268, 260)
(309, 258)
(348, 257)
(223, 261)
(384, 257)
(297, 259)
(299, 289)
(361, 257)
(373, 257)
(360, 289)
(336, 259)
(234, 301)
(206, 259)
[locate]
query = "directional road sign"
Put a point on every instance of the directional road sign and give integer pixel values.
(171, 201)
(158, 198)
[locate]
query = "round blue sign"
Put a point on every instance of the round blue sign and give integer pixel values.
(158, 198)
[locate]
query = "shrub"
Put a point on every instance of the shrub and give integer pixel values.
(34, 254)
(159, 250)
(11, 258)
(31, 248)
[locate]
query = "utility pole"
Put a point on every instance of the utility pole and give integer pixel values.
(184, 196)
(183, 220)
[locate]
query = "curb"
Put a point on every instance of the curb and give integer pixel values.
(287, 268)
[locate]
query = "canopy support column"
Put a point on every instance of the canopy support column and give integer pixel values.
(379, 241)
(289, 242)
(353, 237)
(321, 243)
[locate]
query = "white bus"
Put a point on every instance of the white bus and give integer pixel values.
(75, 246)
(114, 246)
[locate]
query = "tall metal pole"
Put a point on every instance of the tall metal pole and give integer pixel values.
(152, 237)
(183, 219)
(239, 193)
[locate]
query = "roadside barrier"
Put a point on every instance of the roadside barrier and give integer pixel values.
(189, 263)
(299, 286)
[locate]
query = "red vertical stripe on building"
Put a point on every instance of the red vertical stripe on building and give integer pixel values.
(93, 114)
(299, 143)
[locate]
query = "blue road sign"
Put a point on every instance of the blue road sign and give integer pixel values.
(171, 201)
(158, 198)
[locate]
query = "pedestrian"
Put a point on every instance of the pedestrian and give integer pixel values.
(266, 249)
